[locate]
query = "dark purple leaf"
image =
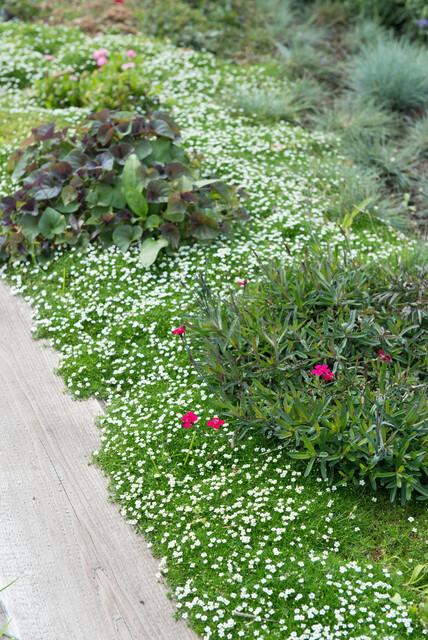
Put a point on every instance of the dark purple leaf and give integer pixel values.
(171, 233)
(44, 132)
(121, 151)
(157, 191)
(61, 169)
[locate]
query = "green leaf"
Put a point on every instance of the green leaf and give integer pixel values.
(30, 227)
(174, 216)
(160, 151)
(349, 217)
(150, 249)
(69, 194)
(67, 208)
(52, 223)
(132, 186)
(153, 221)
(143, 148)
(125, 234)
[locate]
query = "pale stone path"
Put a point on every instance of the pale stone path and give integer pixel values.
(81, 572)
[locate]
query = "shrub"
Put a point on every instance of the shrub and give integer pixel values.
(22, 9)
(330, 357)
(126, 178)
(115, 86)
(224, 27)
(393, 73)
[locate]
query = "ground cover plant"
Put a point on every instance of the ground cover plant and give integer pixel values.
(330, 358)
(125, 178)
(249, 546)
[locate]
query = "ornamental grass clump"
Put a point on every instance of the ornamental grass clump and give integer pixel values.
(122, 179)
(330, 357)
(393, 73)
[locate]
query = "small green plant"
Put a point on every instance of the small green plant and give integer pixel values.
(357, 192)
(21, 9)
(290, 104)
(125, 179)
(417, 139)
(355, 120)
(117, 85)
(332, 359)
(224, 27)
(393, 73)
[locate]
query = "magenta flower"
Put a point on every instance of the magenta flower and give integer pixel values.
(101, 61)
(323, 371)
(189, 419)
(179, 331)
(242, 283)
(384, 357)
(215, 422)
(131, 53)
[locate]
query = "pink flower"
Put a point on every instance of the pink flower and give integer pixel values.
(101, 61)
(131, 53)
(384, 357)
(242, 283)
(215, 423)
(118, 1)
(127, 65)
(49, 56)
(100, 53)
(179, 331)
(189, 419)
(323, 371)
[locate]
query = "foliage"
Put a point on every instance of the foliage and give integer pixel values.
(364, 33)
(126, 178)
(300, 44)
(417, 138)
(225, 27)
(401, 15)
(290, 103)
(364, 416)
(355, 191)
(393, 73)
(21, 9)
(111, 87)
(354, 120)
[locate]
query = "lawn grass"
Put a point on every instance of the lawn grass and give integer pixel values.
(249, 548)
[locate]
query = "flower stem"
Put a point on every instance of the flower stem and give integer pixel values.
(192, 442)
